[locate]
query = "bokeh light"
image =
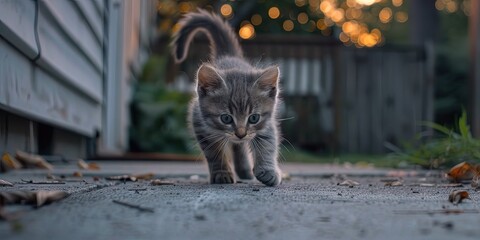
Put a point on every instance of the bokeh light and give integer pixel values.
(226, 10)
(256, 19)
(288, 25)
(274, 12)
(247, 31)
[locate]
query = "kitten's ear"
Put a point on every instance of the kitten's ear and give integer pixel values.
(268, 80)
(208, 79)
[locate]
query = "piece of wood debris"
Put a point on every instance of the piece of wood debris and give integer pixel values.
(458, 196)
(138, 207)
(4, 183)
(394, 183)
(42, 182)
(33, 160)
(440, 185)
(159, 182)
(438, 211)
(349, 183)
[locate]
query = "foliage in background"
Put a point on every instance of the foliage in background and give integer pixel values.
(451, 70)
(450, 148)
(158, 115)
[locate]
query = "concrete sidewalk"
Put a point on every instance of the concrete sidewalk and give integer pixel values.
(309, 205)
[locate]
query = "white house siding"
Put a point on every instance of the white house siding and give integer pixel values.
(59, 67)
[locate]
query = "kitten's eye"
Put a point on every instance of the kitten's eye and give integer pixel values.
(254, 118)
(227, 119)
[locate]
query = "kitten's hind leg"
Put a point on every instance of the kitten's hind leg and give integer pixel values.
(216, 151)
(243, 165)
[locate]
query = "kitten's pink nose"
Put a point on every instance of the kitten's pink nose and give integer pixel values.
(240, 133)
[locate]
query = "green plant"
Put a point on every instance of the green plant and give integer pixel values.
(158, 115)
(451, 147)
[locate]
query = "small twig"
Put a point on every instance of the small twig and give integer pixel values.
(442, 211)
(138, 207)
(41, 182)
(137, 189)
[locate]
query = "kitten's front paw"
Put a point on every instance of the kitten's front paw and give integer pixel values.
(222, 177)
(270, 177)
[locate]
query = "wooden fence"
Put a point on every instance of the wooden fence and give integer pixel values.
(341, 98)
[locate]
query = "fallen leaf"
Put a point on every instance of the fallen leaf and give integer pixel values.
(286, 176)
(394, 184)
(145, 176)
(8, 162)
(49, 196)
(82, 164)
(158, 182)
(133, 178)
(38, 198)
(77, 174)
(194, 177)
(457, 196)
(5, 183)
(93, 166)
(87, 166)
(33, 160)
(461, 171)
(349, 183)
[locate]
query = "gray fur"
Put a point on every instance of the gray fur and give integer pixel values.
(230, 85)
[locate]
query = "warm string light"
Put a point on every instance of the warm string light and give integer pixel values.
(353, 17)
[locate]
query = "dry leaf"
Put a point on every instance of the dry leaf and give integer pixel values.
(133, 178)
(38, 198)
(44, 197)
(77, 174)
(286, 176)
(34, 160)
(158, 182)
(394, 183)
(87, 166)
(349, 183)
(461, 171)
(5, 183)
(93, 166)
(8, 162)
(145, 176)
(82, 164)
(457, 196)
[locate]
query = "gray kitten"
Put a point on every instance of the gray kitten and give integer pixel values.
(233, 113)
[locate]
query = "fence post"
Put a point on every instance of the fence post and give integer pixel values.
(474, 82)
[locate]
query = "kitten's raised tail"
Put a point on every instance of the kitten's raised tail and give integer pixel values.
(223, 41)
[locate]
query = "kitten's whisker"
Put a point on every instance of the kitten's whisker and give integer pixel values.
(279, 152)
(284, 119)
(294, 149)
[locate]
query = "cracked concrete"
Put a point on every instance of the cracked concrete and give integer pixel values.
(309, 206)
